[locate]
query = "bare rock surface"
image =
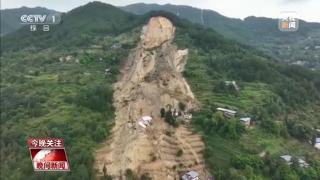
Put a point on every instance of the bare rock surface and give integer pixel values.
(156, 32)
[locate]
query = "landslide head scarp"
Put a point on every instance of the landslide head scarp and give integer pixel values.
(156, 32)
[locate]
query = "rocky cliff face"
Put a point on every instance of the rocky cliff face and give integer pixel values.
(158, 31)
(151, 80)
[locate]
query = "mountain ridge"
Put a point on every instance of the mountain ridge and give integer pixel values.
(259, 32)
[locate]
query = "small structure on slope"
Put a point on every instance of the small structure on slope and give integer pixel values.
(145, 121)
(107, 71)
(288, 160)
(245, 121)
(116, 46)
(232, 83)
(191, 175)
(317, 143)
(188, 116)
(227, 112)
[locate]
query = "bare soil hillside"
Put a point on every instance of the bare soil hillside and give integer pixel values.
(151, 79)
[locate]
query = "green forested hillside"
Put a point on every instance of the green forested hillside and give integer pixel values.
(10, 18)
(78, 28)
(262, 33)
(282, 100)
(54, 84)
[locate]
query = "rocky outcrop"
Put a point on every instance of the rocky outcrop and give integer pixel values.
(156, 32)
(180, 59)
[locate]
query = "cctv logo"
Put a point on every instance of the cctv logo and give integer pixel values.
(33, 18)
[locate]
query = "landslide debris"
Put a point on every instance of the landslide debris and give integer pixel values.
(150, 80)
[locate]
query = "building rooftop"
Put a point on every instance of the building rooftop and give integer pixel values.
(286, 157)
(227, 110)
(246, 119)
(190, 175)
(146, 118)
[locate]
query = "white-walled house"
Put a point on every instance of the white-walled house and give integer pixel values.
(317, 143)
(227, 112)
(246, 121)
(232, 83)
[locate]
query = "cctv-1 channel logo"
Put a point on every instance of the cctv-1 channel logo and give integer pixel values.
(40, 21)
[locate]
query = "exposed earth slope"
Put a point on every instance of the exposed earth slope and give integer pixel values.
(152, 79)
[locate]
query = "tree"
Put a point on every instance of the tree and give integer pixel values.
(104, 170)
(179, 153)
(182, 106)
(145, 177)
(168, 117)
(130, 175)
(309, 174)
(162, 112)
(231, 129)
(100, 134)
(295, 164)
(235, 175)
(249, 172)
(81, 172)
(299, 130)
(270, 126)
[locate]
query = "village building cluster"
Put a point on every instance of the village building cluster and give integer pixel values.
(289, 160)
(182, 114)
(228, 113)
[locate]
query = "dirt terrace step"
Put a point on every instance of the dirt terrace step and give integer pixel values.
(187, 133)
(170, 140)
(104, 151)
(165, 144)
(168, 157)
(169, 152)
(198, 168)
(197, 146)
(192, 138)
(196, 143)
(188, 162)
